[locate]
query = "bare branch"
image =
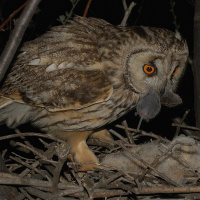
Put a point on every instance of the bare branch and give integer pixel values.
(16, 36)
(124, 5)
(127, 13)
(187, 127)
(12, 15)
(87, 7)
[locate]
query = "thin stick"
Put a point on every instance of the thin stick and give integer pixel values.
(86, 8)
(31, 134)
(143, 133)
(181, 122)
(118, 135)
(177, 120)
(124, 5)
(186, 127)
(29, 166)
(167, 190)
(16, 36)
(63, 152)
(12, 15)
(139, 124)
(33, 150)
(9, 179)
(27, 170)
(130, 139)
(149, 166)
(25, 194)
(104, 182)
(156, 160)
(127, 13)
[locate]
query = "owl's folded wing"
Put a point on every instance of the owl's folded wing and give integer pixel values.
(60, 70)
(63, 90)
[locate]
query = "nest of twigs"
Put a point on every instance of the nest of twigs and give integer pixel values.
(41, 167)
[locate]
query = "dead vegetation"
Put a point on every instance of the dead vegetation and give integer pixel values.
(41, 167)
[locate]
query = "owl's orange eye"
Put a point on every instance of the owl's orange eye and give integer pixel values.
(149, 69)
(175, 71)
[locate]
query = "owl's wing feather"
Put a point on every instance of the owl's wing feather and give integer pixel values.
(81, 89)
(60, 70)
(4, 102)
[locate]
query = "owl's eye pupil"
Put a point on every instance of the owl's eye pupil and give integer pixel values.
(148, 69)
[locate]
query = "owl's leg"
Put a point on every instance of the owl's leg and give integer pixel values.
(82, 153)
(102, 134)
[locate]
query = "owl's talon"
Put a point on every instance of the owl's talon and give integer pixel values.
(81, 152)
(102, 134)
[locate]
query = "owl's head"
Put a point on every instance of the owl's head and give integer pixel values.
(153, 66)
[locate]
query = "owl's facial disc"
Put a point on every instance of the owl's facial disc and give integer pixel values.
(143, 69)
(154, 75)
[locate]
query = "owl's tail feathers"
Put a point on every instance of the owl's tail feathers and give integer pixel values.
(13, 113)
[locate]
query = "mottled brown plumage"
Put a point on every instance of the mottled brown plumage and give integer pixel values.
(76, 78)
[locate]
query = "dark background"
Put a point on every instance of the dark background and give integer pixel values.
(155, 13)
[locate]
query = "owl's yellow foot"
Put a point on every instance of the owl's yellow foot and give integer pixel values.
(83, 154)
(102, 134)
(79, 148)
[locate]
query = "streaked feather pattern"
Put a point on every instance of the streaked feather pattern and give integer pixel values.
(76, 78)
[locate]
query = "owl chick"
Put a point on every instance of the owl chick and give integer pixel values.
(75, 79)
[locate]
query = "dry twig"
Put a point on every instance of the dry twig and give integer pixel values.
(105, 182)
(186, 127)
(181, 121)
(16, 36)
(86, 8)
(12, 15)
(127, 11)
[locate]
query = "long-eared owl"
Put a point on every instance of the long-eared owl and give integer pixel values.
(76, 78)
